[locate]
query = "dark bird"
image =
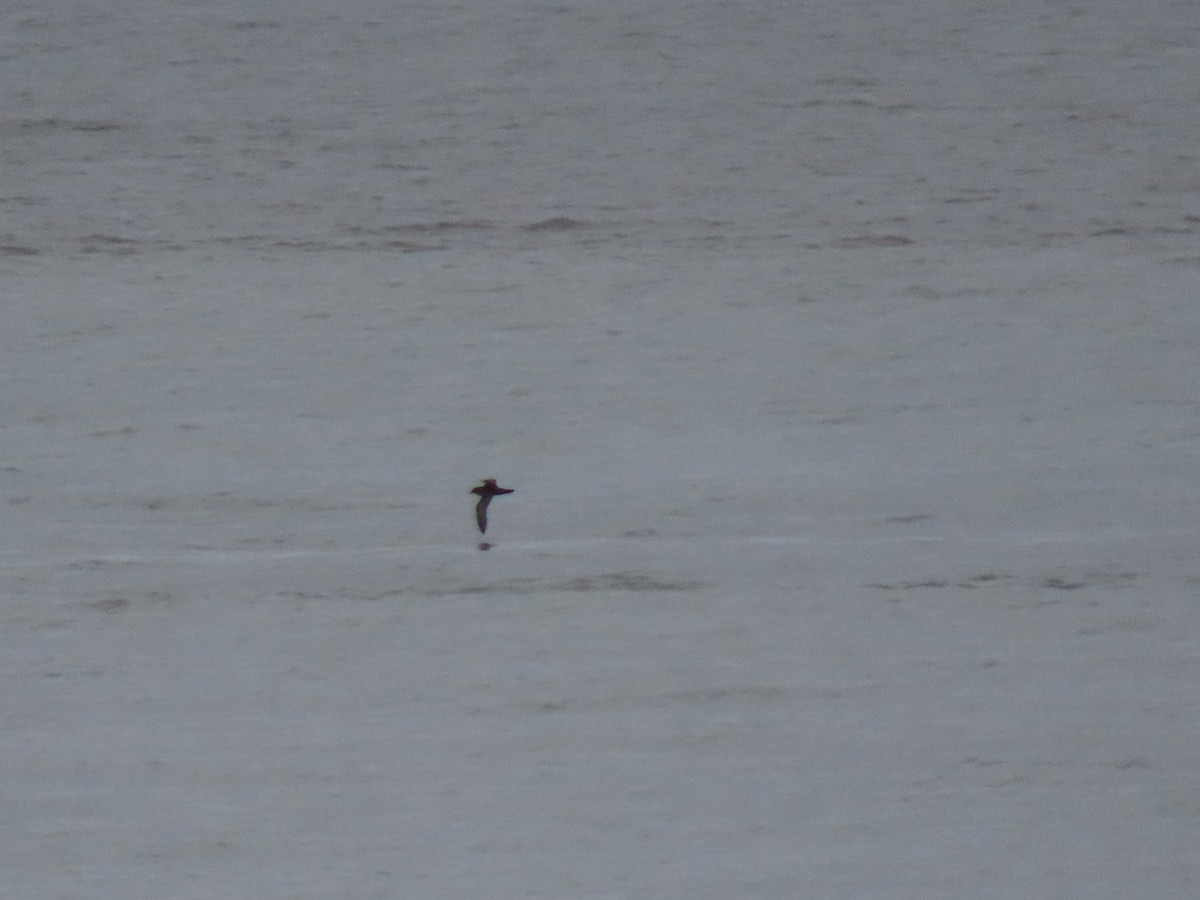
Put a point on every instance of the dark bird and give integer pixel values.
(486, 492)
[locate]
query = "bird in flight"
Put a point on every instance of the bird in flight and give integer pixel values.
(486, 492)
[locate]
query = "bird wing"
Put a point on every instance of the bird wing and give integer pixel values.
(481, 512)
